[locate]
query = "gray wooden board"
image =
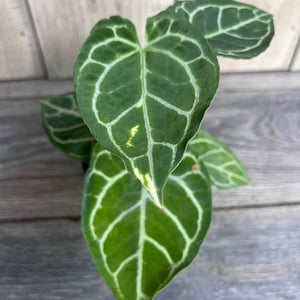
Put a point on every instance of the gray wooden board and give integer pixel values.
(34, 88)
(264, 130)
(36, 180)
(249, 254)
(19, 54)
(280, 81)
(228, 83)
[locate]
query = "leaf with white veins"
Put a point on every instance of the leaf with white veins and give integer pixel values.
(137, 247)
(223, 168)
(145, 104)
(233, 29)
(65, 127)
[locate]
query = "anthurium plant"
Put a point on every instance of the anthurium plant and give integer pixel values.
(134, 117)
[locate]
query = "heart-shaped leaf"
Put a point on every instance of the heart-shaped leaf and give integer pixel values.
(65, 127)
(223, 167)
(144, 104)
(233, 29)
(137, 247)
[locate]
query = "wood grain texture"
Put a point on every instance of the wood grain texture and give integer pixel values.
(18, 51)
(280, 53)
(249, 254)
(34, 89)
(71, 21)
(36, 180)
(262, 126)
(246, 82)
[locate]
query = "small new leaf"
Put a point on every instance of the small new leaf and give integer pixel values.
(145, 104)
(138, 248)
(223, 167)
(233, 29)
(65, 127)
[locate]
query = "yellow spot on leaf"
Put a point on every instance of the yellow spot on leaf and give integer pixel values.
(133, 131)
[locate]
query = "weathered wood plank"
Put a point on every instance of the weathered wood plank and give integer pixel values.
(287, 30)
(262, 127)
(34, 89)
(71, 22)
(249, 254)
(18, 51)
(241, 82)
(264, 130)
(36, 180)
(246, 82)
(47, 260)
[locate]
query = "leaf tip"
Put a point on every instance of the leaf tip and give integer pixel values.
(155, 197)
(147, 181)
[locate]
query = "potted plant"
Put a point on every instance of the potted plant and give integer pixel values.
(134, 117)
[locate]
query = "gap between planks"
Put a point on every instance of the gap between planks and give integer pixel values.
(77, 218)
(236, 82)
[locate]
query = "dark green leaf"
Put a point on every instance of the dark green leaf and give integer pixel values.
(233, 29)
(137, 247)
(145, 104)
(223, 167)
(65, 127)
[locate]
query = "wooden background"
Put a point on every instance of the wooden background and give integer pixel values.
(252, 251)
(42, 38)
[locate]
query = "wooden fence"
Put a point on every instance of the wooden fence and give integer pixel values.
(41, 38)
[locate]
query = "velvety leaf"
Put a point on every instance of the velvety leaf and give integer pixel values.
(233, 29)
(145, 104)
(223, 167)
(137, 247)
(65, 127)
